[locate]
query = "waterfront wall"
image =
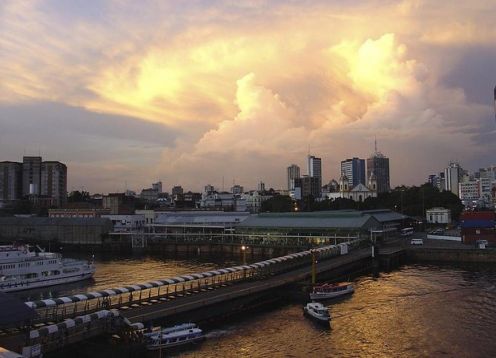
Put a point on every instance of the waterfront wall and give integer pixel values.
(442, 237)
(452, 255)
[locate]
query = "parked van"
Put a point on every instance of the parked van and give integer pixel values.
(417, 242)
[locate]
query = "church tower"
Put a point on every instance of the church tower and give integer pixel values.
(372, 184)
(343, 184)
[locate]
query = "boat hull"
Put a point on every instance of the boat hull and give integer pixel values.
(324, 321)
(46, 283)
(329, 295)
(154, 347)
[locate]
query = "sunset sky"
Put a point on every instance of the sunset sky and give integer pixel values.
(189, 92)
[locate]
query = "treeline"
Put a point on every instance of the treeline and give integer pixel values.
(412, 201)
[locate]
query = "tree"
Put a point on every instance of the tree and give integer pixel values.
(277, 204)
(78, 196)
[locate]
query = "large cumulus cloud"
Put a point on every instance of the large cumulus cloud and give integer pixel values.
(247, 89)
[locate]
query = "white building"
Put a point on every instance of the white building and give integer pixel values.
(293, 172)
(468, 190)
(452, 176)
(223, 201)
(254, 200)
(358, 193)
(438, 216)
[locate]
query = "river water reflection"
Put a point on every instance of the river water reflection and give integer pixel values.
(115, 271)
(415, 311)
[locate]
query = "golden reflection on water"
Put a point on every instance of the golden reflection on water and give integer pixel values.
(418, 311)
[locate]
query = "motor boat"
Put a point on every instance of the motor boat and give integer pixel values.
(318, 312)
(180, 335)
(331, 290)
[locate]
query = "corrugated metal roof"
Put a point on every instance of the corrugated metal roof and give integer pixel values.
(42, 221)
(388, 216)
(305, 221)
(199, 217)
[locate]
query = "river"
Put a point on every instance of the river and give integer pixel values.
(414, 311)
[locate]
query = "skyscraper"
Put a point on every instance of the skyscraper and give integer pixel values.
(31, 175)
(315, 170)
(293, 172)
(378, 164)
(10, 181)
(354, 169)
(452, 176)
(54, 181)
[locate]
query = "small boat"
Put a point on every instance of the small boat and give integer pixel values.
(176, 336)
(331, 290)
(317, 311)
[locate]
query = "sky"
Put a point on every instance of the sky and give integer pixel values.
(209, 92)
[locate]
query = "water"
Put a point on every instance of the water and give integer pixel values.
(116, 271)
(417, 311)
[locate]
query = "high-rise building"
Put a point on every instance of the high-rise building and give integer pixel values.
(177, 190)
(307, 185)
(354, 169)
(54, 181)
(261, 186)
(157, 187)
(10, 181)
(378, 164)
(293, 172)
(452, 176)
(315, 170)
(31, 175)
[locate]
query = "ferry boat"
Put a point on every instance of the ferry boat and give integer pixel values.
(318, 312)
(23, 267)
(176, 336)
(331, 290)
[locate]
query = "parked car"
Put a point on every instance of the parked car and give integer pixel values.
(417, 242)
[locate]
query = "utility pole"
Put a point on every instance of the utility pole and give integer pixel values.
(314, 268)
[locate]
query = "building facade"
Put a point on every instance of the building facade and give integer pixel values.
(438, 216)
(378, 164)
(54, 181)
(31, 176)
(308, 186)
(354, 170)
(315, 171)
(10, 181)
(452, 175)
(292, 173)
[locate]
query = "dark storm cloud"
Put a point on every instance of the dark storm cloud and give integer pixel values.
(475, 72)
(46, 119)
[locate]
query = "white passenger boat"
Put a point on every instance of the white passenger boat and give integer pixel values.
(23, 267)
(176, 336)
(331, 290)
(318, 312)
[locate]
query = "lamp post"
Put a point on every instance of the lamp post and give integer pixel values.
(243, 250)
(314, 267)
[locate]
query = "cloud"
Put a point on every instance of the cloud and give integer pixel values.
(101, 151)
(241, 90)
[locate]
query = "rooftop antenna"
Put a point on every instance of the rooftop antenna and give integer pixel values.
(375, 144)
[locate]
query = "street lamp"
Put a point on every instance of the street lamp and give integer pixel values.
(243, 250)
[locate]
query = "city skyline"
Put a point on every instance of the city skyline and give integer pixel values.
(128, 93)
